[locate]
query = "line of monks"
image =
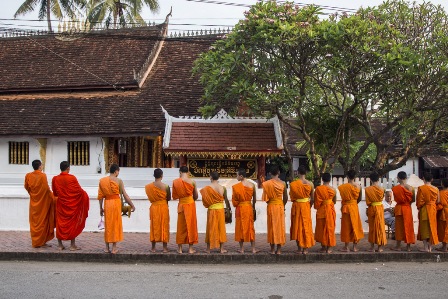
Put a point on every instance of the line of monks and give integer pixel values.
(71, 203)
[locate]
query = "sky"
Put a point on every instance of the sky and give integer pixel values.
(187, 14)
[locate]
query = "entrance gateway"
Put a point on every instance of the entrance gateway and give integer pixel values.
(222, 143)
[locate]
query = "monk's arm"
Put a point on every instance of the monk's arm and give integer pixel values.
(419, 201)
(312, 196)
(195, 191)
(168, 193)
(360, 194)
(285, 196)
(438, 197)
(413, 194)
(128, 199)
(334, 197)
(226, 199)
(254, 196)
(101, 207)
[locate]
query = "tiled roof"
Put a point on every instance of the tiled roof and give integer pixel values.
(436, 161)
(113, 113)
(222, 137)
(83, 61)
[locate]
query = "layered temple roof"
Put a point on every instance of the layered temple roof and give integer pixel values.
(222, 135)
(43, 94)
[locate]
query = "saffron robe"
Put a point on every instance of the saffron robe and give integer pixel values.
(42, 208)
(113, 225)
(351, 226)
(325, 216)
(427, 213)
(244, 214)
(215, 232)
(375, 214)
(301, 224)
(72, 206)
(404, 221)
(273, 196)
(442, 227)
(159, 214)
(187, 226)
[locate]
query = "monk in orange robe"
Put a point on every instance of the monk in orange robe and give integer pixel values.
(324, 201)
(302, 196)
(109, 191)
(72, 207)
(351, 226)
(427, 199)
(184, 189)
(42, 206)
(213, 197)
(159, 215)
(442, 227)
(276, 196)
(375, 213)
(404, 222)
(244, 197)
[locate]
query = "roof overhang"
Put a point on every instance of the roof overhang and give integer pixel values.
(436, 161)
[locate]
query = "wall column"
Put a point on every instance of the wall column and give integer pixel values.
(183, 160)
(261, 172)
(42, 150)
(159, 152)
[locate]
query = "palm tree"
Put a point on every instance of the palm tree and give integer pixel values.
(46, 7)
(118, 11)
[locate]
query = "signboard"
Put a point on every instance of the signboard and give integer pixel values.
(201, 168)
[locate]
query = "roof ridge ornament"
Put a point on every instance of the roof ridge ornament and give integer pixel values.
(222, 114)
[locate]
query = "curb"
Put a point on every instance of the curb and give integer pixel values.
(215, 258)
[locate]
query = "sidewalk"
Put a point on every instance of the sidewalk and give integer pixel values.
(135, 248)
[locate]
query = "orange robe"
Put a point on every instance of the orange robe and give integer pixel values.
(72, 206)
(215, 233)
(442, 227)
(187, 226)
(325, 216)
(375, 213)
(273, 195)
(427, 213)
(42, 207)
(113, 225)
(404, 221)
(244, 213)
(159, 214)
(301, 224)
(351, 226)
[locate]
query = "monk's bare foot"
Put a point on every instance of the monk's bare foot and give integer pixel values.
(272, 252)
(223, 251)
(278, 252)
(179, 251)
(355, 249)
(255, 251)
(152, 250)
(344, 250)
(240, 251)
(165, 250)
(329, 251)
(74, 248)
(115, 251)
(106, 251)
(191, 251)
(429, 249)
(379, 250)
(206, 251)
(60, 247)
(305, 252)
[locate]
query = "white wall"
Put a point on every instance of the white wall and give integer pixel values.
(411, 167)
(5, 167)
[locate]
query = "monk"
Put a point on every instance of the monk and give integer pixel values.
(427, 200)
(324, 201)
(404, 196)
(159, 215)
(42, 206)
(72, 207)
(184, 190)
(244, 197)
(302, 196)
(375, 213)
(109, 191)
(213, 198)
(351, 226)
(442, 227)
(276, 196)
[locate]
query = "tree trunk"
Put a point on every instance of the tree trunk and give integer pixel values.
(49, 15)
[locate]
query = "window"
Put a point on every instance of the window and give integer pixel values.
(78, 153)
(19, 152)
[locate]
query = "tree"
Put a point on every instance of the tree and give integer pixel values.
(122, 12)
(59, 8)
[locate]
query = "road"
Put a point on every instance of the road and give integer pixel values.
(90, 280)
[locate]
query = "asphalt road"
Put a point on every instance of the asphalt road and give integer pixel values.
(91, 280)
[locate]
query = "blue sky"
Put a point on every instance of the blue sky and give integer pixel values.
(187, 14)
